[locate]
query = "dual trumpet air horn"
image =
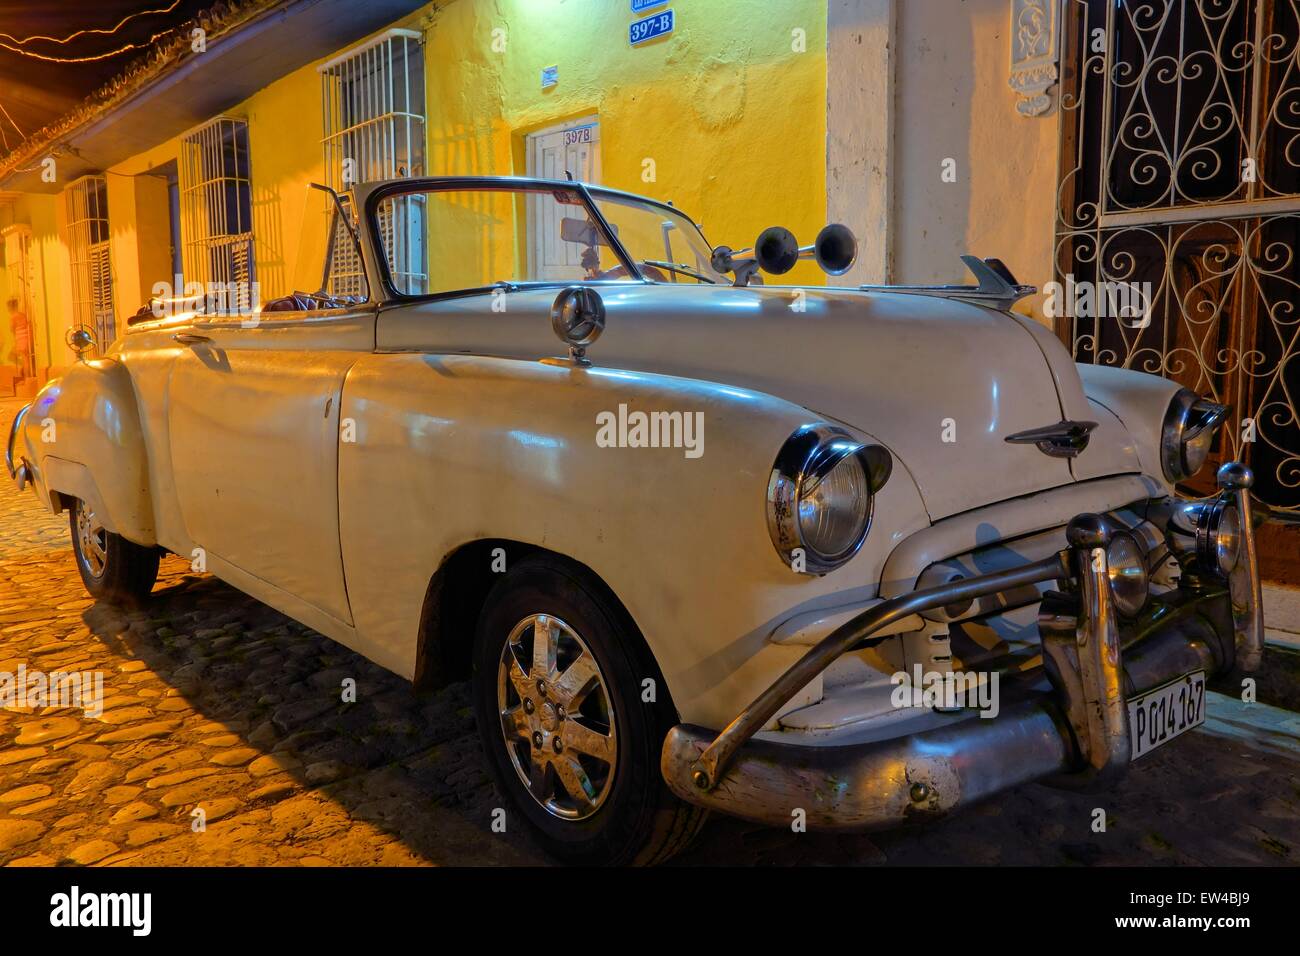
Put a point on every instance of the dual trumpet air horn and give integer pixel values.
(776, 251)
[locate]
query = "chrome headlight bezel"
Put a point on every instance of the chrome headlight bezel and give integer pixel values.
(1131, 591)
(812, 453)
(1187, 434)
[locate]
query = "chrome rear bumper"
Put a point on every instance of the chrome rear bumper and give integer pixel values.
(16, 467)
(1077, 734)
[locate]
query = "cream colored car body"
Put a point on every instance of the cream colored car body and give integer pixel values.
(330, 463)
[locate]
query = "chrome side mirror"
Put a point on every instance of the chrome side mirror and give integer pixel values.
(578, 318)
(81, 340)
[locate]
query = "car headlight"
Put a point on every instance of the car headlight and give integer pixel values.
(820, 496)
(1188, 432)
(1208, 533)
(1126, 565)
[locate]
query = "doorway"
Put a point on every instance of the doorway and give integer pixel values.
(566, 151)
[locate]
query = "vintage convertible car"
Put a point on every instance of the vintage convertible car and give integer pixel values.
(922, 556)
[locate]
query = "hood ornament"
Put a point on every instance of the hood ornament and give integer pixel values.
(1065, 439)
(998, 288)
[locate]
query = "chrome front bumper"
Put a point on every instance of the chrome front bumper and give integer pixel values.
(1078, 734)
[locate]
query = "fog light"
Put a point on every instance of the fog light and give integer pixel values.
(1222, 542)
(1126, 565)
(1206, 534)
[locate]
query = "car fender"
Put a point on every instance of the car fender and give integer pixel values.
(82, 439)
(1139, 400)
(450, 449)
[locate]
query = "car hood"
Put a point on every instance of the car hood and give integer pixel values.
(941, 383)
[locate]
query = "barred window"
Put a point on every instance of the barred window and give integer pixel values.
(86, 205)
(373, 104)
(217, 212)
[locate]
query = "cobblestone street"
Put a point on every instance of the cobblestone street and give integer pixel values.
(214, 701)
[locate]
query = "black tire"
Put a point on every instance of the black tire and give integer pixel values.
(127, 572)
(639, 821)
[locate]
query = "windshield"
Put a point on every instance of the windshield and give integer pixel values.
(664, 244)
(475, 237)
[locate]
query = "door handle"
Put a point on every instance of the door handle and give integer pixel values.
(189, 338)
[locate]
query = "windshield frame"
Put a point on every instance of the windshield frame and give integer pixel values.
(586, 192)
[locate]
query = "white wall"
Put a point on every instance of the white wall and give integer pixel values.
(947, 63)
(952, 100)
(860, 130)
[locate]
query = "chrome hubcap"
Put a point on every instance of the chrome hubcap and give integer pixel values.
(92, 540)
(556, 717)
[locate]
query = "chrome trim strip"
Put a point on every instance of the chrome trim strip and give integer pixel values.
(1065, 439)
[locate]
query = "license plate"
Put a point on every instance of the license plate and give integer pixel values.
(1160, 715)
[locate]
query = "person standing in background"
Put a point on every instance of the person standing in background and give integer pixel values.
(21, 329)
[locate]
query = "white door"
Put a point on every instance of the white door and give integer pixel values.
(556, 153)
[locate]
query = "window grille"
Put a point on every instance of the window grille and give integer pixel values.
(217, 213)
(372, 100)
(86, 205)
(1181, 168)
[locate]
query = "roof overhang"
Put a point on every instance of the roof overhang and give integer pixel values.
(234, 66)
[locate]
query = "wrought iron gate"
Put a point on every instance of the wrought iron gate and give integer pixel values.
(1180, 167)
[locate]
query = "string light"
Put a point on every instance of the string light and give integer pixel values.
(85, 59)
(11, 121)
(72, 36)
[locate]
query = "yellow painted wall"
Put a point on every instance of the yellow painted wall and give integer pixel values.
(139, 228)
(50, 308)
(732, 117)
(285, 155)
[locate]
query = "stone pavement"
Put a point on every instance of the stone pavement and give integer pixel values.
(213, 701)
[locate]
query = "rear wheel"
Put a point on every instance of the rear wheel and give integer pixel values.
(112, 568)
(558, 675)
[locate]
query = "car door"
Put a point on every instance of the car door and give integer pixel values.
(254, 433)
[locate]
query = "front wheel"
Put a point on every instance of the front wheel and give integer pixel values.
(559, 674)
(112, 568)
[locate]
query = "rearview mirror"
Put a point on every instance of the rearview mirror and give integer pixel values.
(583, 232)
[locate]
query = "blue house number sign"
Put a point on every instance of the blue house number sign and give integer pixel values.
(651, 27)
